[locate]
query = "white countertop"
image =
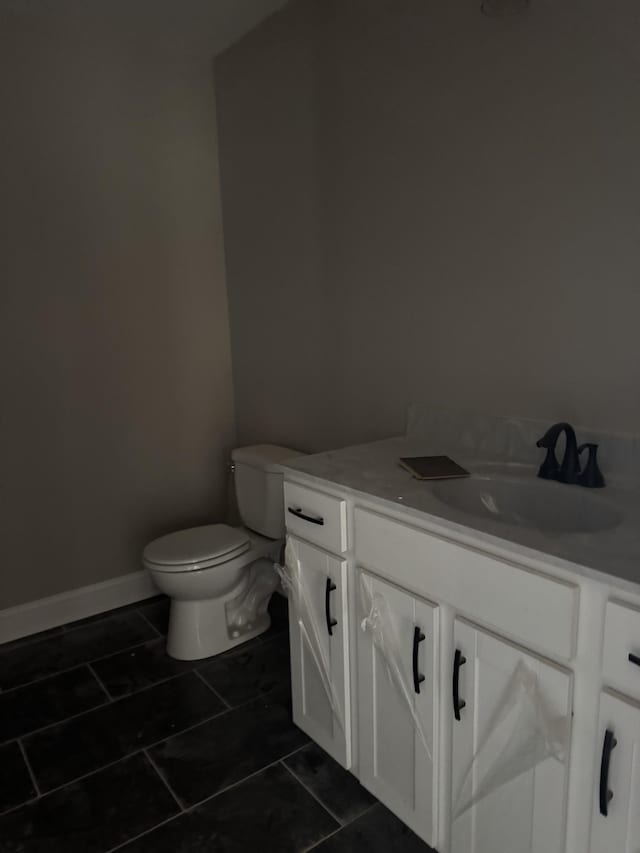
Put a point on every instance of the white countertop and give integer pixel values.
(371, 472)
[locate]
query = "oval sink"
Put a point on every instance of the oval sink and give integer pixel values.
(535, 504)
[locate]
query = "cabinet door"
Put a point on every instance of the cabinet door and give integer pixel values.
(513, 798)
(394, 763)
(319, 651)
(618, 777)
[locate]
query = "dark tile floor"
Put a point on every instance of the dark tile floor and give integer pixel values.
(108, 744)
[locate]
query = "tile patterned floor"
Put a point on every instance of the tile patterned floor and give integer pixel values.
(107, 744)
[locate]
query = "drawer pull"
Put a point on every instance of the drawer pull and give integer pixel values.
(297, 511)
(458, 703)
(605, 794)
(331, 623)
(418, 637)
(634, 659)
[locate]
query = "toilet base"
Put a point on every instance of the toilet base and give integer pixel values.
(198, 629)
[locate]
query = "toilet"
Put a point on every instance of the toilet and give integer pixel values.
(220, 578)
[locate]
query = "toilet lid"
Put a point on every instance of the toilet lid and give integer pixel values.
(197, 545)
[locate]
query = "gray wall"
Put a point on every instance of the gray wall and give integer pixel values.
(424, 203)
(115, 374)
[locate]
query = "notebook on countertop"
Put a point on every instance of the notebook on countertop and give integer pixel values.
(432, 467)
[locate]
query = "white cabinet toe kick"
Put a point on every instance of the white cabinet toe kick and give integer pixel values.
(493, 706)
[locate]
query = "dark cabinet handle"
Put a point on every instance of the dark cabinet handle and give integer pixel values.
(458, 703)
(418, 637)
(605, 794)
(634, 659)
(295, 510)
(331, 623)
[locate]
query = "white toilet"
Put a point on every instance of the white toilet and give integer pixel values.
(220, 578)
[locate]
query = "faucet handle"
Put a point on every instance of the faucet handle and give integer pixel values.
(591, 476)
(550, 469)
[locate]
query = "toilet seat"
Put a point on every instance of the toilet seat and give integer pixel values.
(196, 548)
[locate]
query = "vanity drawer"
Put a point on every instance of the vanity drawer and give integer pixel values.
(316, 517)
(532, 608)
(621, 662)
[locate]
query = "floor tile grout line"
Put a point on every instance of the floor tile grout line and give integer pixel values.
(164, 781)
(111, 703)
(89, 773)
(191, 808)
(230, 787)
(256, 698)
(19, 643)
(66, 671)
(70, 627)
(320, 841)
(146, 832)
(137, 751)
(158, 683)
(78, 665)
(152, 745)
(372, 805)
(228, 706)
(29, 768)
(326, 808)
(317, 844)
(92, 661)
(146, 642)
(31, 801)
(188, 728)
(110, 698)
(184, 809)
(150, 624)
(26, 735)
(157, 638)
(136, 645)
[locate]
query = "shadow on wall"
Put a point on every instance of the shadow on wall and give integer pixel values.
(116, 368)
(439, 205)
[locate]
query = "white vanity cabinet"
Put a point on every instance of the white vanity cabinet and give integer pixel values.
(474, 715)
(621, 657)
(616, 809)
(616, 804)
(510, 747)
(320, 650)
(398, 683)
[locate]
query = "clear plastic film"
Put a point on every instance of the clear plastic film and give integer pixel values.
(296, 586)
(377, 621)
(522, 733)
(248, 610)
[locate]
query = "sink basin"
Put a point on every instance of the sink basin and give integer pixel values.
(534, 503)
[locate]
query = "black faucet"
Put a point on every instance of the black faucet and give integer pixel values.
(591, 475)
(569, 471)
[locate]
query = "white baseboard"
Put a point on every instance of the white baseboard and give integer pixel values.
(35, 616)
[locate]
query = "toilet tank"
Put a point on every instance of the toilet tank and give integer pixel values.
(258, 482)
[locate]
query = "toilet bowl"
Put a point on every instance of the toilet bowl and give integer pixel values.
(220, 578)
(201, 589)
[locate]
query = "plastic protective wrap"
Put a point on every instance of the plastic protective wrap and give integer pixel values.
(248, 610)
(522, 733)
(378, 623)
(293, 581)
